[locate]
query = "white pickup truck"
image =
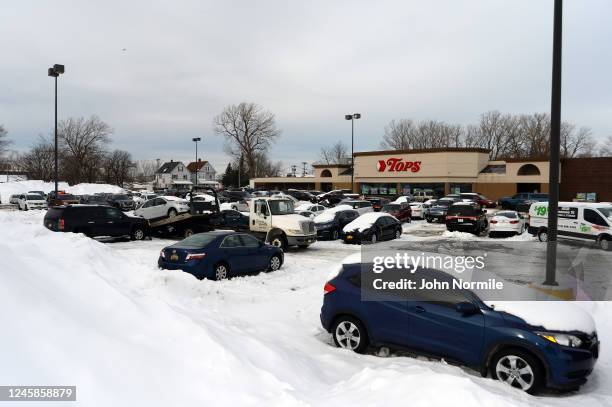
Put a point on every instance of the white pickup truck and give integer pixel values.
(273, 220)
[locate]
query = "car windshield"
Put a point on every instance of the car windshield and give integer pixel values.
(444, 203)
(34, 198)
(606, 211)
(199, 240)
(281, 207)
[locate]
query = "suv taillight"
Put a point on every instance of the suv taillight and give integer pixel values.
(328, 288)
(60, 224)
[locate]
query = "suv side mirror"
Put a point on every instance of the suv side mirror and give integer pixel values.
(466, 308)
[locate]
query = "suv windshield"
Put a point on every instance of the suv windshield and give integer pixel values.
(606, 211)
(34, 198)
(443, 202)
(463, 210)
(281, 207)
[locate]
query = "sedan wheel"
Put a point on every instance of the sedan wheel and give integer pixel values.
(221, 272)
(398, 234)
(516, 372)
(172, 213)
(275, 263)
(374, 238)
(138, 234)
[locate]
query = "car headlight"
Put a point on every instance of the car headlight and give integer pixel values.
(294, 231)
(562, 339)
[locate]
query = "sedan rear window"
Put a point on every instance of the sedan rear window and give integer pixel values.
(197, 241)
(463, 210)
(509, 215)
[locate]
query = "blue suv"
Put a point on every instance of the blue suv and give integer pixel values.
(458, 326)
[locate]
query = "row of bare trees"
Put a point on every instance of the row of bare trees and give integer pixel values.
(505, 135)
(83, 155)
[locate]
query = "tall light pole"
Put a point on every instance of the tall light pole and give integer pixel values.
(55, 71)
(196, 139)
(352, 118)
(555, 137)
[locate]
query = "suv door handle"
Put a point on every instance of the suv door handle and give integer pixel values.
(91, 221)
(419, 309)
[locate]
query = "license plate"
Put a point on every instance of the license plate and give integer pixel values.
(460, 220)
(174, 257)
(349, 237)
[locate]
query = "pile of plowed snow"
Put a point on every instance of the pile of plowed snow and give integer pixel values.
(75, 311)
(20, 187)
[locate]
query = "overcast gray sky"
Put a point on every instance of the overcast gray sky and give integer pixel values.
(309, 62)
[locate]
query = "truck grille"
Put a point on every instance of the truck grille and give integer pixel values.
(308, 227)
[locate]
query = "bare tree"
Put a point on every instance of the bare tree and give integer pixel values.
(334, 154)
(39, 162)
(248, 130)
(399, 135)
(83, 147)
(144, 170)
(117, 167)
(576, 142)
(606, 148)
(495, 132)
(4, 143)
(266, 168)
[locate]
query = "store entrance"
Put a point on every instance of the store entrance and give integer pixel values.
(326, 186)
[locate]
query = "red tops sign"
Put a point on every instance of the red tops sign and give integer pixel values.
(398, 165)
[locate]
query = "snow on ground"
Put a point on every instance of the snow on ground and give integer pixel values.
(101, 316)
(19, 187)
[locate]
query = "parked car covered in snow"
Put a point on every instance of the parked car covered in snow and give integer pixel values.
(361, 206)
(416, 209)
(163, 206)
(14, 199)
(31, 201)
(507, 222)
(525, 344)
(330, 222)
(372, 227)
(314, 208)
(438, 210)
(220, 254)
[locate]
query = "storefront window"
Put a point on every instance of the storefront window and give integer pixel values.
(379, 189)
(459, 188)
(412, 189)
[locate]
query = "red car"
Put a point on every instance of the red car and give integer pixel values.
(478, 198)
(401, 211)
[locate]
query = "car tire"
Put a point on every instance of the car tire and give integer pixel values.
(398, 233)
(349, 333)
(543, 235)
(519, 369)
(172, 213)
(279, 241)
(492, 234)
(604, 243)
(429, 220)
(25, 207)
(221, 271)
(138, 233)
(374, 238)
(334, 235)
(275, 263)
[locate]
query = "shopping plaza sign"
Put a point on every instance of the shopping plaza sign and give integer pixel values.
(395, 164)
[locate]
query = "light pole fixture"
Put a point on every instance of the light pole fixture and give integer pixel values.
(55, 71)
(352, 118)
(555, 141)
(195, 140)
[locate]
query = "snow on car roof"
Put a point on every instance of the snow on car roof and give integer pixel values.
(328, 214)
(365, 221)
(173, 198)
(556, 315)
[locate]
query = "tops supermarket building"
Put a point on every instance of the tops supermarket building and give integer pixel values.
(451, 170)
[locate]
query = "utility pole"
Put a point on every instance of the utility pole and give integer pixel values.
(304, 163)
(555, 138)
(293, 169)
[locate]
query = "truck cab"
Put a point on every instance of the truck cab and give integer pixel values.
(274, 220)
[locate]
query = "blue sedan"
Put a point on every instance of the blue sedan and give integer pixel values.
(221, 254)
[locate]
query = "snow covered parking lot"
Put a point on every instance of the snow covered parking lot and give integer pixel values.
(103, 317)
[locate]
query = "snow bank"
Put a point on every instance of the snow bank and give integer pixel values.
(365, 221)
(328, 214)
(11, 188)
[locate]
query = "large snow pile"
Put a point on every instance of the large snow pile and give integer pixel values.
(365, 221)
(102, 317)
(19, 187)
(328, 214)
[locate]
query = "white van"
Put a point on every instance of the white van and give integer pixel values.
(577, 220)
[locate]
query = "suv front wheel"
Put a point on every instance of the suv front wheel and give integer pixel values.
(138, 233)
(519, 369)
(349, 333)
